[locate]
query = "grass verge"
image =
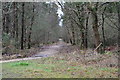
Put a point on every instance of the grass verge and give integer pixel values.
(55, 68)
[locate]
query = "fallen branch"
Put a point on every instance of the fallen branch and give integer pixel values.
(98, 46)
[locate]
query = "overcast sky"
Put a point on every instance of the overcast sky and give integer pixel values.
(59, 10)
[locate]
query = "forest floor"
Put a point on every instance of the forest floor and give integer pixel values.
(63, 60)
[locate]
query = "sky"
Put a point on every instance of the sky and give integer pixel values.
(59, 10)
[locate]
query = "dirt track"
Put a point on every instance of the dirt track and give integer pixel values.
(47, 52)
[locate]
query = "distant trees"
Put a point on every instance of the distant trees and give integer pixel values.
(78, 14)
(87, 25)
(93, 22)
(76, 17)
(28, 24)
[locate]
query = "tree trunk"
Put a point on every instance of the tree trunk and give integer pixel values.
(103, 33)
(3, 21)
(32, 20)
(29, 38)
(95, 29)
(22, 29)
(73, 33)
(7, 20)
(15, 24)
(17, 40)
(86, 31)
(83, 40)
(118, 11)
(69, 36)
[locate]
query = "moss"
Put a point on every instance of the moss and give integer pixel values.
(20, 64)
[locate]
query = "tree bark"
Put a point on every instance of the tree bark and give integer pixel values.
(86, 31)
(73, 33)
(95, 29)
(3, 21)
(83, 40)
(22, 27)
(30, 32)
(15, 24)
(7, 21)
(103, 32)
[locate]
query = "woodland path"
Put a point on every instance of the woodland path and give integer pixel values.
(47, 52)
